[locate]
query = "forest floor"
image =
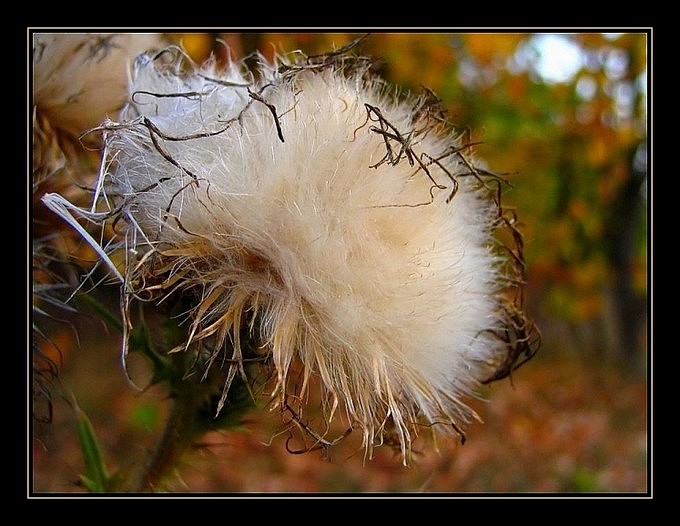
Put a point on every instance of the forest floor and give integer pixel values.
(563, 425)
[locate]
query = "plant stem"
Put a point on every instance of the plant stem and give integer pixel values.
(192, 413)
(175, 440)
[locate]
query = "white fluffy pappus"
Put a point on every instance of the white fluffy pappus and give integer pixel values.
(342, 228)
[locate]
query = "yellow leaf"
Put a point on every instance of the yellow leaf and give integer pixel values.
(197, 45)
(600, 151)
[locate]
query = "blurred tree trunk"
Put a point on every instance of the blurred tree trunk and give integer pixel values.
(621, 225)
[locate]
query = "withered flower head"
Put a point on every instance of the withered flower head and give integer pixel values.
(340, 226)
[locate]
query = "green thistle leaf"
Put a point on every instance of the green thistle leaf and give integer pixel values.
(96, 478)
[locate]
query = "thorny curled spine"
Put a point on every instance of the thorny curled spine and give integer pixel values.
(520, 337)
(49, 303)
(319, 442)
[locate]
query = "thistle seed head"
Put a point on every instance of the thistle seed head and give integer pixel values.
(318, 219)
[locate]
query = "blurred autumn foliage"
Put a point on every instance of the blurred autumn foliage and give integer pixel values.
(573, 143)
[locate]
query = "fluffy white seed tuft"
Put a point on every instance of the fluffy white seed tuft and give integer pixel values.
(341, 228)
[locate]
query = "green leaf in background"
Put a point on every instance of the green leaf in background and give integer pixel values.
(96, 478)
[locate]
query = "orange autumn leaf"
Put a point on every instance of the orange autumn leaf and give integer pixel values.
(486, 47)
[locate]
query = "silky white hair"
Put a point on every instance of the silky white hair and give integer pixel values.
(309, 208)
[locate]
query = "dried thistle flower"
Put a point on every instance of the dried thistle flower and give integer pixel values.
(310, 211)
(78, 79)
